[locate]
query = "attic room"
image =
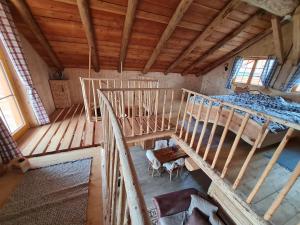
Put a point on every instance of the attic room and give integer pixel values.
(148, 112)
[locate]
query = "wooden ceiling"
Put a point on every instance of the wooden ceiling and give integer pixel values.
(201, 32)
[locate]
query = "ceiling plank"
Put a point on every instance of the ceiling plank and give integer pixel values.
(176, 17)
(216, 47)
(277, 38)
(128, 23)
(26, 14)
(140, 14)
(231, 54)
(296, 37)
(220, 19)
(85, 16)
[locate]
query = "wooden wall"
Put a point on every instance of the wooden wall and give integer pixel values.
(213, 83)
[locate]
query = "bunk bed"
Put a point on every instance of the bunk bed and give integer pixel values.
(275, 106)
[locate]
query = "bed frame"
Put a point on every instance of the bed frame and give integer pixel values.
(251, 130)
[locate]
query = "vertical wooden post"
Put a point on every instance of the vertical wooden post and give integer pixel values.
(235, 144)
(156, 110)
(163, 111)
(250, 155)
(184, 114)
(225, 131)
(179, 111)
(212, 133)
(197, 122)
(270, 164)
(190, 119)
(204, 126)
(171, 110)
(284, 191)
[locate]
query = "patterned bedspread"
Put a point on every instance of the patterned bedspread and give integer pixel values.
(274, 106)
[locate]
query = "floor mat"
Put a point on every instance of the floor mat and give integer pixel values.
(52, 195)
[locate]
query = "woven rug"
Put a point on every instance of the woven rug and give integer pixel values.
(153, 216)
(52, 195)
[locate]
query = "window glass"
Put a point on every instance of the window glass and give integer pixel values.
(250, 72)
(9, 109)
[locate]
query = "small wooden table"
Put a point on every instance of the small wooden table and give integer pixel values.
(169, 154)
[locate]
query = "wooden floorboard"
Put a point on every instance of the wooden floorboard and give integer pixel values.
(68, 130)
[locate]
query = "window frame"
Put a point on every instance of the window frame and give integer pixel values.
(15, 93)
(248, 83)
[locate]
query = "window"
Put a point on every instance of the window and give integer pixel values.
(250, 72)
(297, 88)
(9, 109)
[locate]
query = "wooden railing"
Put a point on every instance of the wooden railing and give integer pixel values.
(90, 85)
(123, 202)
(192, 127)
(144, 112)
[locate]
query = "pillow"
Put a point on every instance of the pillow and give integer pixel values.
(215, 220)
(203, 205)
(197, 217)
(175, 219)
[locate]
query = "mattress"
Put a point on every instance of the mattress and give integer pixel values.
(270, 105)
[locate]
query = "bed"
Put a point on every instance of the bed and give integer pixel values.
(274, 106)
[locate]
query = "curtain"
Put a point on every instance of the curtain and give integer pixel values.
(269, 70)
(294, 80)
(237, 63)
(12, 44)
(8, 147)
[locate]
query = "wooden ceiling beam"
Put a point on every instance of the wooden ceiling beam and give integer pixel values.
(27, 16)
(296, 37)
(220, 44)
(140, 14)
(277, 38)
(86, 20)
(219, 20)
(231, 54)
(176, 17)
(128, 23)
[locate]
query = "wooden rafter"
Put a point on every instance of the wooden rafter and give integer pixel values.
(121, 10)
(296, 37)
(85, 15)
(129, 19)
(208, 31)
(176, 17)
(277, 38)
(228, 56)
(233, 34)
(27, 16)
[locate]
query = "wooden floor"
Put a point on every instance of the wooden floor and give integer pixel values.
(67, 130)
(11, 179)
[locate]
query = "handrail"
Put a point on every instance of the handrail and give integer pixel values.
(121, 166)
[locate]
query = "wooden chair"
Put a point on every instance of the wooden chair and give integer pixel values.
(160, 144)
(153, 163)
(173, 166)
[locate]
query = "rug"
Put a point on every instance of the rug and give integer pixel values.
(153, 216)
(288, 158)
(52, 195)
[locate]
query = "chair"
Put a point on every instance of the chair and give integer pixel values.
(153, 162)
(160, 144)
(172, 142)
(172, 166)
(180, 162)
